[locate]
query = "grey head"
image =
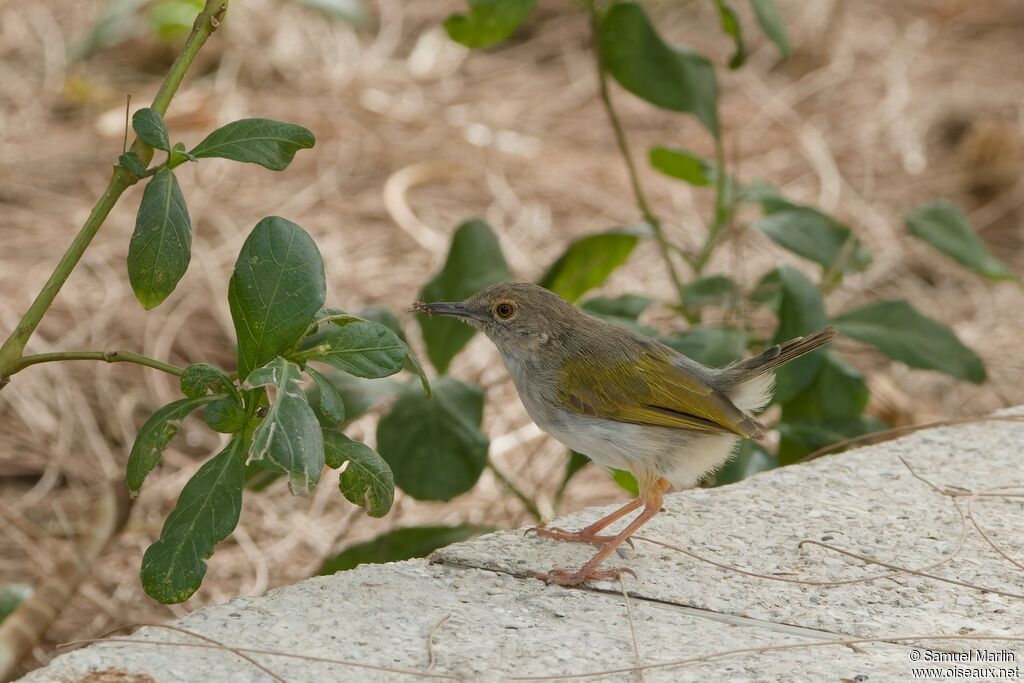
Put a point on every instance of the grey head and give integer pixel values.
(519, 317)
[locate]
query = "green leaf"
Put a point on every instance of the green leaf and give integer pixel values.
(713, 290)
(771, 22)
(179, 155)
(474, 262)
(801, 311)
(626, 481)
(367, 481)
(271, 144)
(750, 460)
(384, 316)
(816, 236)
(276, 289)
(435, 447)
(289, 436)
(625, 306)
(154, 436)
(132, 163)
(359, 395)
(669, 77)
(327, 402)
(206, 512)
(400, 544)
(946, 228)
(574, 464)
(712, 346)
(731, 25)
(200, 379)
(225, 416)
(838, 390)
(150, 128)
(12, 596)
(682, 165)
(587, 263)
(489, 21)
(359, 347)
(768, 290)
(801, 437)
(161, 246)
(901, 332)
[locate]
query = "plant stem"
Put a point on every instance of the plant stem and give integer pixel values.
(531, 507)
(634, 177)
(105, 356)
(723, 209)
(11, 351)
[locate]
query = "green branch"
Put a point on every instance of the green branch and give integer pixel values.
(530, 506)
(723, 209)
(12, 349)
(105, 356)
(634, 177)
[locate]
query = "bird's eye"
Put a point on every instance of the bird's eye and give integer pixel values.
(504, 310)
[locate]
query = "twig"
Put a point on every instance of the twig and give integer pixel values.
(632, 628)
(105, 356)
(528, 503)
(634, 177)
(431, 656)
(121, 179)
(258, 651)
(845, 642)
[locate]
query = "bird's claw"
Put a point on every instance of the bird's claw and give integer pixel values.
(563, 577)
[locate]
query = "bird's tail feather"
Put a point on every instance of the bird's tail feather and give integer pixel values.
(778, 355)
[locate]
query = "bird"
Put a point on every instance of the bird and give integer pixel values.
(624, 400)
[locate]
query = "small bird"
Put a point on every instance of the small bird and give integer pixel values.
(621, 399)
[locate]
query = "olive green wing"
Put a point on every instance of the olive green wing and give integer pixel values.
(650, 389)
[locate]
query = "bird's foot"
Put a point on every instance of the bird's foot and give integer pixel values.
(563, 577)
(581, 536)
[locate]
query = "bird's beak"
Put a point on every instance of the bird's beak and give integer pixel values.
(448, 310)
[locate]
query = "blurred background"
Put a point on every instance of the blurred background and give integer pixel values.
(881, 106)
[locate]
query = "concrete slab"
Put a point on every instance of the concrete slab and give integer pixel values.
(471, 615)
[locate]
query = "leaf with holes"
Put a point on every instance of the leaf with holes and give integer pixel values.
(668, 77)
(161, 246)
(289, 436)
(367, 481)
(206, 512)
(154, 436)
(277, 288)
(271, 144)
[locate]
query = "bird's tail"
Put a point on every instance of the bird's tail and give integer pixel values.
(778, 355)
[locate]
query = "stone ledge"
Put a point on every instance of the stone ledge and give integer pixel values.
(472, 615)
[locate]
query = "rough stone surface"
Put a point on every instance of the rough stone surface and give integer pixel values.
(473, 616)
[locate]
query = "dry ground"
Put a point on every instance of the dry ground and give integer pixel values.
(885, 105)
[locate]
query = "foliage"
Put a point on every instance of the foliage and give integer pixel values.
(822, 398)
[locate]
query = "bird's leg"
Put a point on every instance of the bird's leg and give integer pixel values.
(651, 498)
(589, 533)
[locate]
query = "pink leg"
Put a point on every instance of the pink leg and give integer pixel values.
(651, 499)
(589, 534)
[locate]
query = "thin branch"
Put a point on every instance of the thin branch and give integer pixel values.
(531, 507)
(634, 177)
(105, 356)
(723, 209)
(11, 351)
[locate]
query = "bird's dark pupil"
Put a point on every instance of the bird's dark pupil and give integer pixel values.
(504, 310)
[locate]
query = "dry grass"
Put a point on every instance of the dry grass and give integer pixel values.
(884, 105)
